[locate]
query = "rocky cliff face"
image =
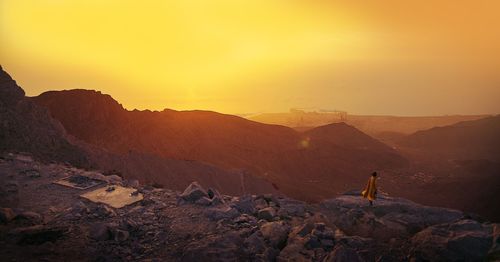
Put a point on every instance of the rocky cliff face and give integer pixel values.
(43, 221)
(27, 127)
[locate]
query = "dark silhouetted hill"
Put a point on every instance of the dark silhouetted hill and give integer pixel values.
(27, 127)
(302, 165)
(477, 139)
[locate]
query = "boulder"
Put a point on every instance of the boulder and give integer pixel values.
(465, 240)
(276, 233)
(260, 203)
(133, 183)
(120, 235)
(389, 218)
(267, 213)
(223, 212)
(94, 175)
(203, 201)
(245, 219)
(104, 211)
(245, 204)
(113, 179)
(215, 197)
(295, 251)
(292, 207)
(6, 215)
(255, 243)
(100, 232)
(301, 230)
(80, 208)
(193, 192)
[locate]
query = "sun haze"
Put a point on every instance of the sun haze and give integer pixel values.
(365, 57)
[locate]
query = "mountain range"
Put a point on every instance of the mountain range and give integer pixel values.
(237, 156)
(283, 156)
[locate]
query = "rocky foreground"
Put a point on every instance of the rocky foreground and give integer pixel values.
(42, 221)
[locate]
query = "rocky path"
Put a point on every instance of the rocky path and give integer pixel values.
(42, 221)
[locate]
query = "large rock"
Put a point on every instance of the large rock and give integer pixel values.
(302, 230)
(245, 221)
(120, 235)
(464, 240)
(255, 243)
(267, 213)
(215, 197)
(245, 204)
(291, 207)
(193, 192)
(100, 232)
(276, 233)
(103, 210)
(295, 251)
(223, 212)
(260, 203)
(388, 218)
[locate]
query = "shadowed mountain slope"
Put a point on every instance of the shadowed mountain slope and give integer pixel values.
(477, 139)
(279, 154)
(366, 149)
(27, 127)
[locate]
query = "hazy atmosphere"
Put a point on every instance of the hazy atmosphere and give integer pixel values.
(363, 57)
(262, 131)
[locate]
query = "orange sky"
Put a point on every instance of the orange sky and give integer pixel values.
(365, 57)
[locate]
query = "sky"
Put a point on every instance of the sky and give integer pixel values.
(426, 57)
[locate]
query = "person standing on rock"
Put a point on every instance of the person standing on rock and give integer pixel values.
(370, 191)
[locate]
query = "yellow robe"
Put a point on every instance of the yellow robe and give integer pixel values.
(371, 189)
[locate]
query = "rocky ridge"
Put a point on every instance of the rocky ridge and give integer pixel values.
(277, 154)
(27, 127)
(43, 221)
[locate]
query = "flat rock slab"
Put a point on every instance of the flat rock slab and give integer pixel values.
(117, 198)
(79, 182)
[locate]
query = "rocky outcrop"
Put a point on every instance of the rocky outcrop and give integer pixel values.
(55, 222)
(389, 218)
(27, 127)
(465, 240)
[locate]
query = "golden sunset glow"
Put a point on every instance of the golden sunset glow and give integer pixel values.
(369, 57)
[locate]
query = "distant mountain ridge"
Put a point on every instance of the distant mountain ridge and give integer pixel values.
(279, 154)
(387, 128)
(476, 139)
